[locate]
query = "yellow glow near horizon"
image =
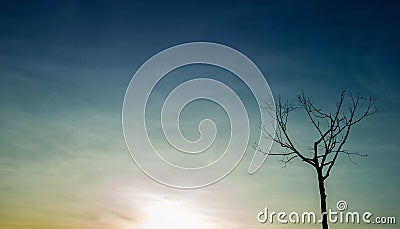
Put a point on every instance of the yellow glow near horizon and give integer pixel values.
(168, 214)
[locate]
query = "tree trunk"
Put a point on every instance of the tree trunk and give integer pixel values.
(322, 197)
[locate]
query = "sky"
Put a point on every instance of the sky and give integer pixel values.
(64, 70)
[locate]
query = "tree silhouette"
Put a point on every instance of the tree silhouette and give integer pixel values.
(333, 129)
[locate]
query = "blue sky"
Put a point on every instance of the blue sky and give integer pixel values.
(65, 66)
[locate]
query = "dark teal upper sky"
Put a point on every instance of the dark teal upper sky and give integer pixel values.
(314, 43)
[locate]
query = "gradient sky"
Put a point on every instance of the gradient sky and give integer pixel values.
(64, 69)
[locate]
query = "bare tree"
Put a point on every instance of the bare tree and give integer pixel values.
(332, 128)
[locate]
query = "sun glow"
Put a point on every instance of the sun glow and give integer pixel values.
(168, 214)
